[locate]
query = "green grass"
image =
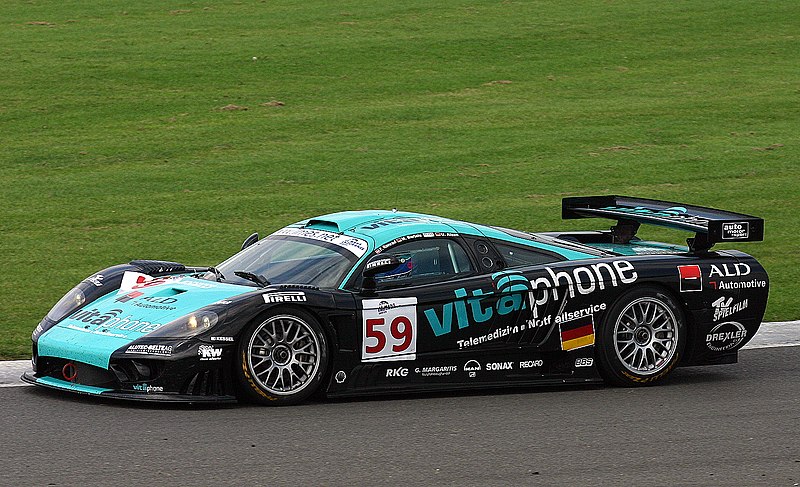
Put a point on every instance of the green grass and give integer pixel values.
(114, 147)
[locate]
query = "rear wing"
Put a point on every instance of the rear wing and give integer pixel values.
(710, 225)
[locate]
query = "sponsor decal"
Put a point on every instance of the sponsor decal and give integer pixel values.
(96, 279)
(340, 377)
(389, 329)
(728, 285)
(472, 367)
(285, 297)
(730, 270)
(577, 333)
(726, 336)
(587, 311)
(582, 280)
(198, 283)
(127, 297)
(377, 263)
(110, 320)
(678, 213)
(155, 349)
(436, 371)
(725, 307)
(584, 362)
(223, 301)
(221, 339)
(398, 372)
(153, 302)
(136, 280)
(739, 269)
(691, 278)
(356, 246)
(498, 333)
(397, 220)
(147, 388)
(414, 236)
(209, 352)
(385, 306)
(531, 364)
(735, 230)
(500, 366)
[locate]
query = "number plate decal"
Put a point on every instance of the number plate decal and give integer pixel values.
(389, 329)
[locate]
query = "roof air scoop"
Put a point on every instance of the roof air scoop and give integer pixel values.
(323, 225)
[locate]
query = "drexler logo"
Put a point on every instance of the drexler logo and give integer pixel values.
(691, 278)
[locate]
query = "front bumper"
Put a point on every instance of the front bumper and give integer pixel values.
(184, 376)
(63, 385)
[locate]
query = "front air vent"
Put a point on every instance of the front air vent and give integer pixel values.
(207, 383)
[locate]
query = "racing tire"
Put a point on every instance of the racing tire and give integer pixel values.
(642, 338)
(282, 358)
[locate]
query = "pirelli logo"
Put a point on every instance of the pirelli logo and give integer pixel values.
(577, 333)
(285, 297)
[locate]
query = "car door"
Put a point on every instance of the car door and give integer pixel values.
(437, 301)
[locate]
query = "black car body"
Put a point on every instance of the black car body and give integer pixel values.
(375, 301)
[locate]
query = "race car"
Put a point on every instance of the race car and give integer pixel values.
(363, 302)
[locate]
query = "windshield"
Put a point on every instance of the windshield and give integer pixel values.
(289, 260)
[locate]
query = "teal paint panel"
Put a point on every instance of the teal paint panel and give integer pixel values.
(94, 332)
(62, 384)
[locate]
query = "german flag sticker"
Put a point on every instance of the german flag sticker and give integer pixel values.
(577, 333)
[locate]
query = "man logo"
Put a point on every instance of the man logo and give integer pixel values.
(472, 367)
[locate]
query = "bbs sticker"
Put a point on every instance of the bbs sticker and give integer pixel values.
(584, 362)
(389, 329)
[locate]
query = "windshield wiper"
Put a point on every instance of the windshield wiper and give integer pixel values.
(260, 280)
(217, 274)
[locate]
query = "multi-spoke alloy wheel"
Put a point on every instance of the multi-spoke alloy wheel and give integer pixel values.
(283, 354)
(283, 358)
(641, 337)
(645, 336)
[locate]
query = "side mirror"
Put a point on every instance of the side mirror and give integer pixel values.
(250, 240)
(377, 265)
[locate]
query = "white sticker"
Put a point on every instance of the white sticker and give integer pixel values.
(355, 245)
(136, 280)
(389, 329)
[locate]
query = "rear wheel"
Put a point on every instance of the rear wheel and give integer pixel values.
(642, 337)
(282, 358)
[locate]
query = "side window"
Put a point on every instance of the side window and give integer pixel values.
(516, 256)
(425, 261)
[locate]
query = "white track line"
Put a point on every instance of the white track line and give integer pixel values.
(770, 335)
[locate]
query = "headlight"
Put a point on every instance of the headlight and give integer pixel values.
(66, 305)
(188, 326)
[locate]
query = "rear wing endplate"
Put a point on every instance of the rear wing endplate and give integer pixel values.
(710, 225)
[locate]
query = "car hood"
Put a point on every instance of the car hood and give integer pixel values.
(141, 306)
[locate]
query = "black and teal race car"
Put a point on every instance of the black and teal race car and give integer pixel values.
(364, 302)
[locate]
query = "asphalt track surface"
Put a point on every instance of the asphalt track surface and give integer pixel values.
(724, 425)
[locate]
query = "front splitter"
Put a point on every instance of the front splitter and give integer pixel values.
(62, 385)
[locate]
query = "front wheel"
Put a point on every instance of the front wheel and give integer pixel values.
(642, 338)
(282, 358)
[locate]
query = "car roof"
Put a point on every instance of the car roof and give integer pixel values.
(383, 227)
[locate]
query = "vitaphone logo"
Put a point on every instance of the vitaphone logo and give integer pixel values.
(519, 293)
(672, 213)
(110, 320)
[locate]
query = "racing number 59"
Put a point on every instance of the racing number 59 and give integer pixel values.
(400, 330)
(390, 331)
